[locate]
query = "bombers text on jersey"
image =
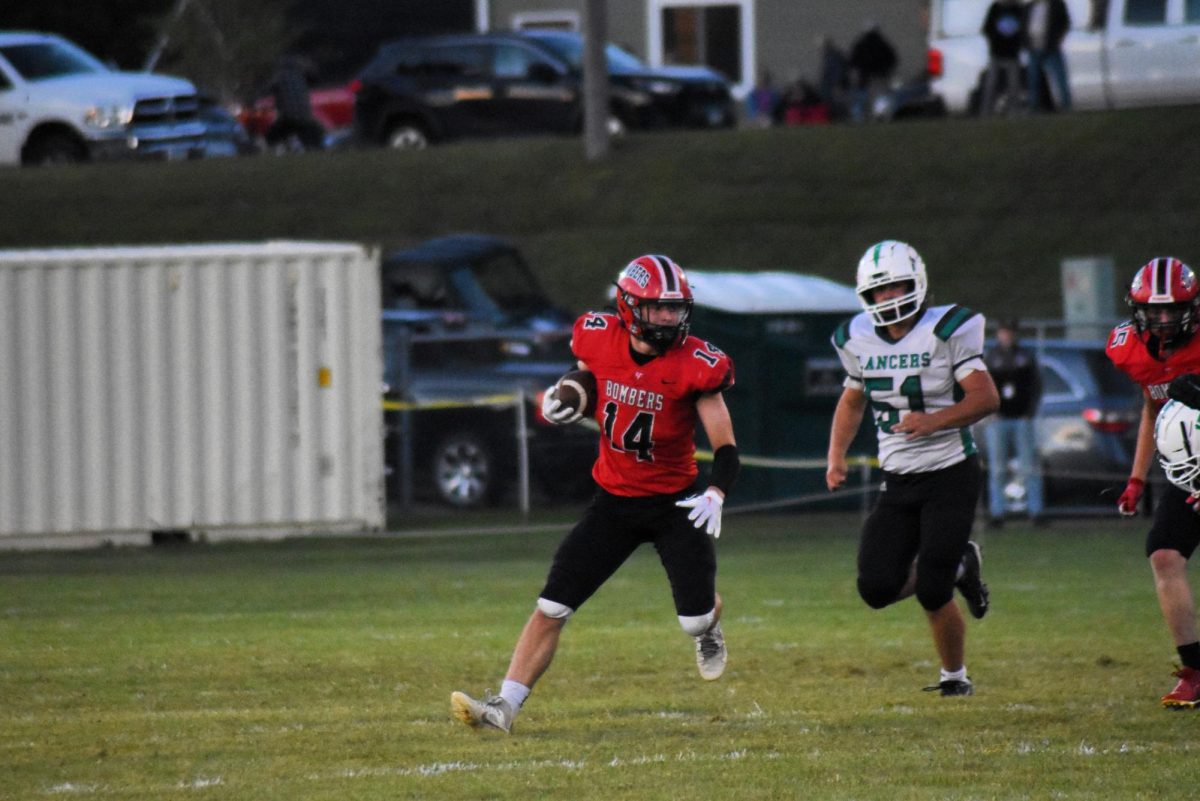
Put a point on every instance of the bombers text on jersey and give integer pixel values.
(646, 412)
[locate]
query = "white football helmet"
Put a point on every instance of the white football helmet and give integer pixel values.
(1178, 440)
(891, 262)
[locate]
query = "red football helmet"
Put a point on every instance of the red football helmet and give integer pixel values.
(654, 301)
(1165, 299)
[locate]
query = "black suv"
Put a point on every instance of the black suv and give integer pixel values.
(465, 329)
(417, 91)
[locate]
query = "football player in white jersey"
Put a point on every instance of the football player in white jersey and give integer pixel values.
(920, 370)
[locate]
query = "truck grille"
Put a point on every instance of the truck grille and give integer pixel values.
(180, 108)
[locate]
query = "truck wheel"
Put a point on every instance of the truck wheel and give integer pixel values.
(55, 148)
(406, 135)
(464, 471)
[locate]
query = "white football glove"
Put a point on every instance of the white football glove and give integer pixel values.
(706, 511)
(555, 412)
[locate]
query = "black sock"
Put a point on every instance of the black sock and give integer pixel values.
(1189, 655)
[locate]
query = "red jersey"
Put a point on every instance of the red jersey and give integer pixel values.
(1127, 350)
(646, 412)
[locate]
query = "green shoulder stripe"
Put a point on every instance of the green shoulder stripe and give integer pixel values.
(841, 334)
(951, 321)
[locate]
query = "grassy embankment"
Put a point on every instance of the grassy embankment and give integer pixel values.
(993, 205)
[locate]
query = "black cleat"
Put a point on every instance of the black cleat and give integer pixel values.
(971, 585)
(953, 687)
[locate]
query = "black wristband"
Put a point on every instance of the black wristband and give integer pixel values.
(725, 468)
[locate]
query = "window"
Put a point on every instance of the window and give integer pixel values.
(409, 62)
(1146, 12)
(464, 60)
(42, 60)
(514, 62)
(546, 20)
(1054, 384)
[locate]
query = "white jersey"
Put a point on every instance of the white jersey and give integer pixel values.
(919, 372)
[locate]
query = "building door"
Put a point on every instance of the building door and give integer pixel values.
(709, 35)
(715, 33)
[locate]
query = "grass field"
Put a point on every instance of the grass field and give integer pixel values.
(322, 668)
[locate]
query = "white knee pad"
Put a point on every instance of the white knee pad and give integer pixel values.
(699, 624)
(553, 609)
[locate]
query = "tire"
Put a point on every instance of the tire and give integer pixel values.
(406, 135)
(55, 148)
(464, 471)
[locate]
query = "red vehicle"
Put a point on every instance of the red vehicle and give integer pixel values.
(333, 107)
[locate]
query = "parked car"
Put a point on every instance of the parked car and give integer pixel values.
(223, 133)
(61, 105)
(418, 91)
(483, 279)
(464, 319)
(454, 393)
(1119, 53)
(1086, 428)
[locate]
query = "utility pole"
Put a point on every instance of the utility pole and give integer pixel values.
(164, 35)
(595, 80)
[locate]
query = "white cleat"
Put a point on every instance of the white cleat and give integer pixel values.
(711, 653)
(491, 713)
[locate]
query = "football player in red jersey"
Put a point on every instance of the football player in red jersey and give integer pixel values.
(1157, 349)
(653, 382)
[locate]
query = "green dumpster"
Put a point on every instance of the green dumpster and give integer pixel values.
(776, 326)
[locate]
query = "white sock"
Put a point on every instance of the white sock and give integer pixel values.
(515, 693)
(954, 675)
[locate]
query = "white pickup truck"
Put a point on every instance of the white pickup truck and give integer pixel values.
(1119, 53)
(59, 104)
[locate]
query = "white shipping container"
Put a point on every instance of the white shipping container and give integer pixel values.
(222, 390)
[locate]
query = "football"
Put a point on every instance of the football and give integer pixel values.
(577, 389)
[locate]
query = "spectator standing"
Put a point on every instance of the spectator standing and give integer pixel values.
(833, 78)
(763, 103)
(1014, 369)
(651, 375)
(1003, 27)
(293, 106)
(802, 105)
(1046, 25)
(872, 62)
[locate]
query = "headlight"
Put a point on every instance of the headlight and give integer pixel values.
(114, 116)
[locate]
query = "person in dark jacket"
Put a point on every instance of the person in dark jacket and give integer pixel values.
(1003, 27)
(293, 106)
(872, 62)
(1014, 368)
(1046, 25)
